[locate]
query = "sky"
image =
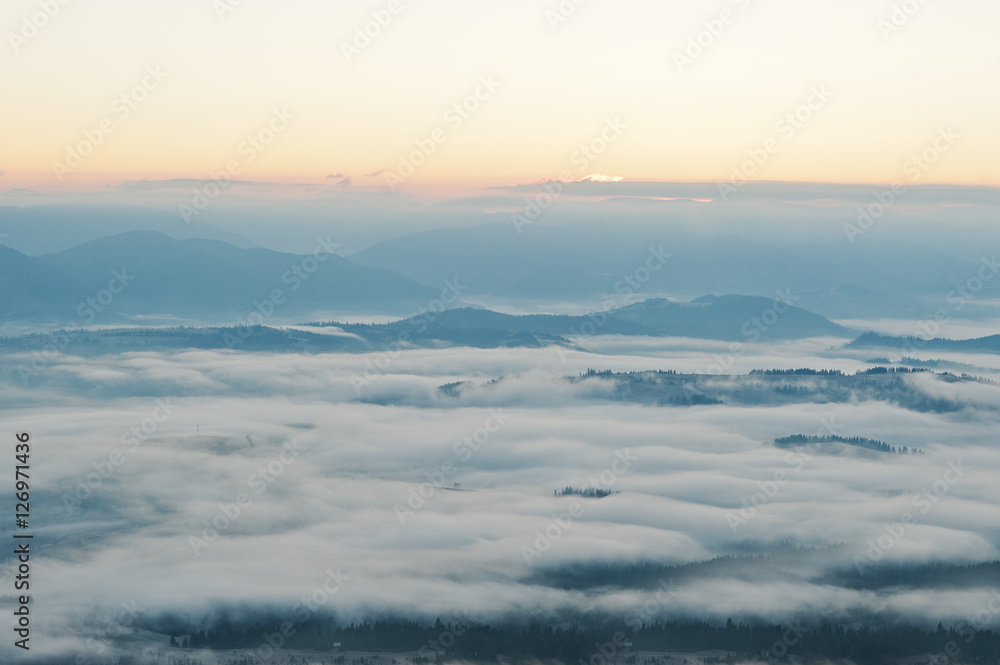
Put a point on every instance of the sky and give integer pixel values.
(845, 92)
(483, 105)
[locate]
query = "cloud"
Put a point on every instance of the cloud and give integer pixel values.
(181, 183)
(337, 504)
(599, 177)
(815, 194)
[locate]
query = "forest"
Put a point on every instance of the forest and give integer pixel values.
(479, 642)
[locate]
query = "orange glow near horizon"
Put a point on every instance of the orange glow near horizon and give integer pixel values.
(177, 92)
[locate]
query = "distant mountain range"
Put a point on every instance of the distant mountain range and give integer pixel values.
(553, 260)
(566, 256)
(730, 318)
(297, 339)
(146, 277)
(148, 274)
(50, 228)
(990, 344)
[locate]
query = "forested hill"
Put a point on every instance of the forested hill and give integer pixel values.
(896, 385)
(990, 344)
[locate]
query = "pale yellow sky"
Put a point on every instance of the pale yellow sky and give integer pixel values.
(556, 80)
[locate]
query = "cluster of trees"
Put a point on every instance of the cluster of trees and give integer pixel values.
(891, 370)
(588, 492)
(859, 441)
(798, 372)
(766, 387)
(793, 390)
(608, 372)
(692, 399)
